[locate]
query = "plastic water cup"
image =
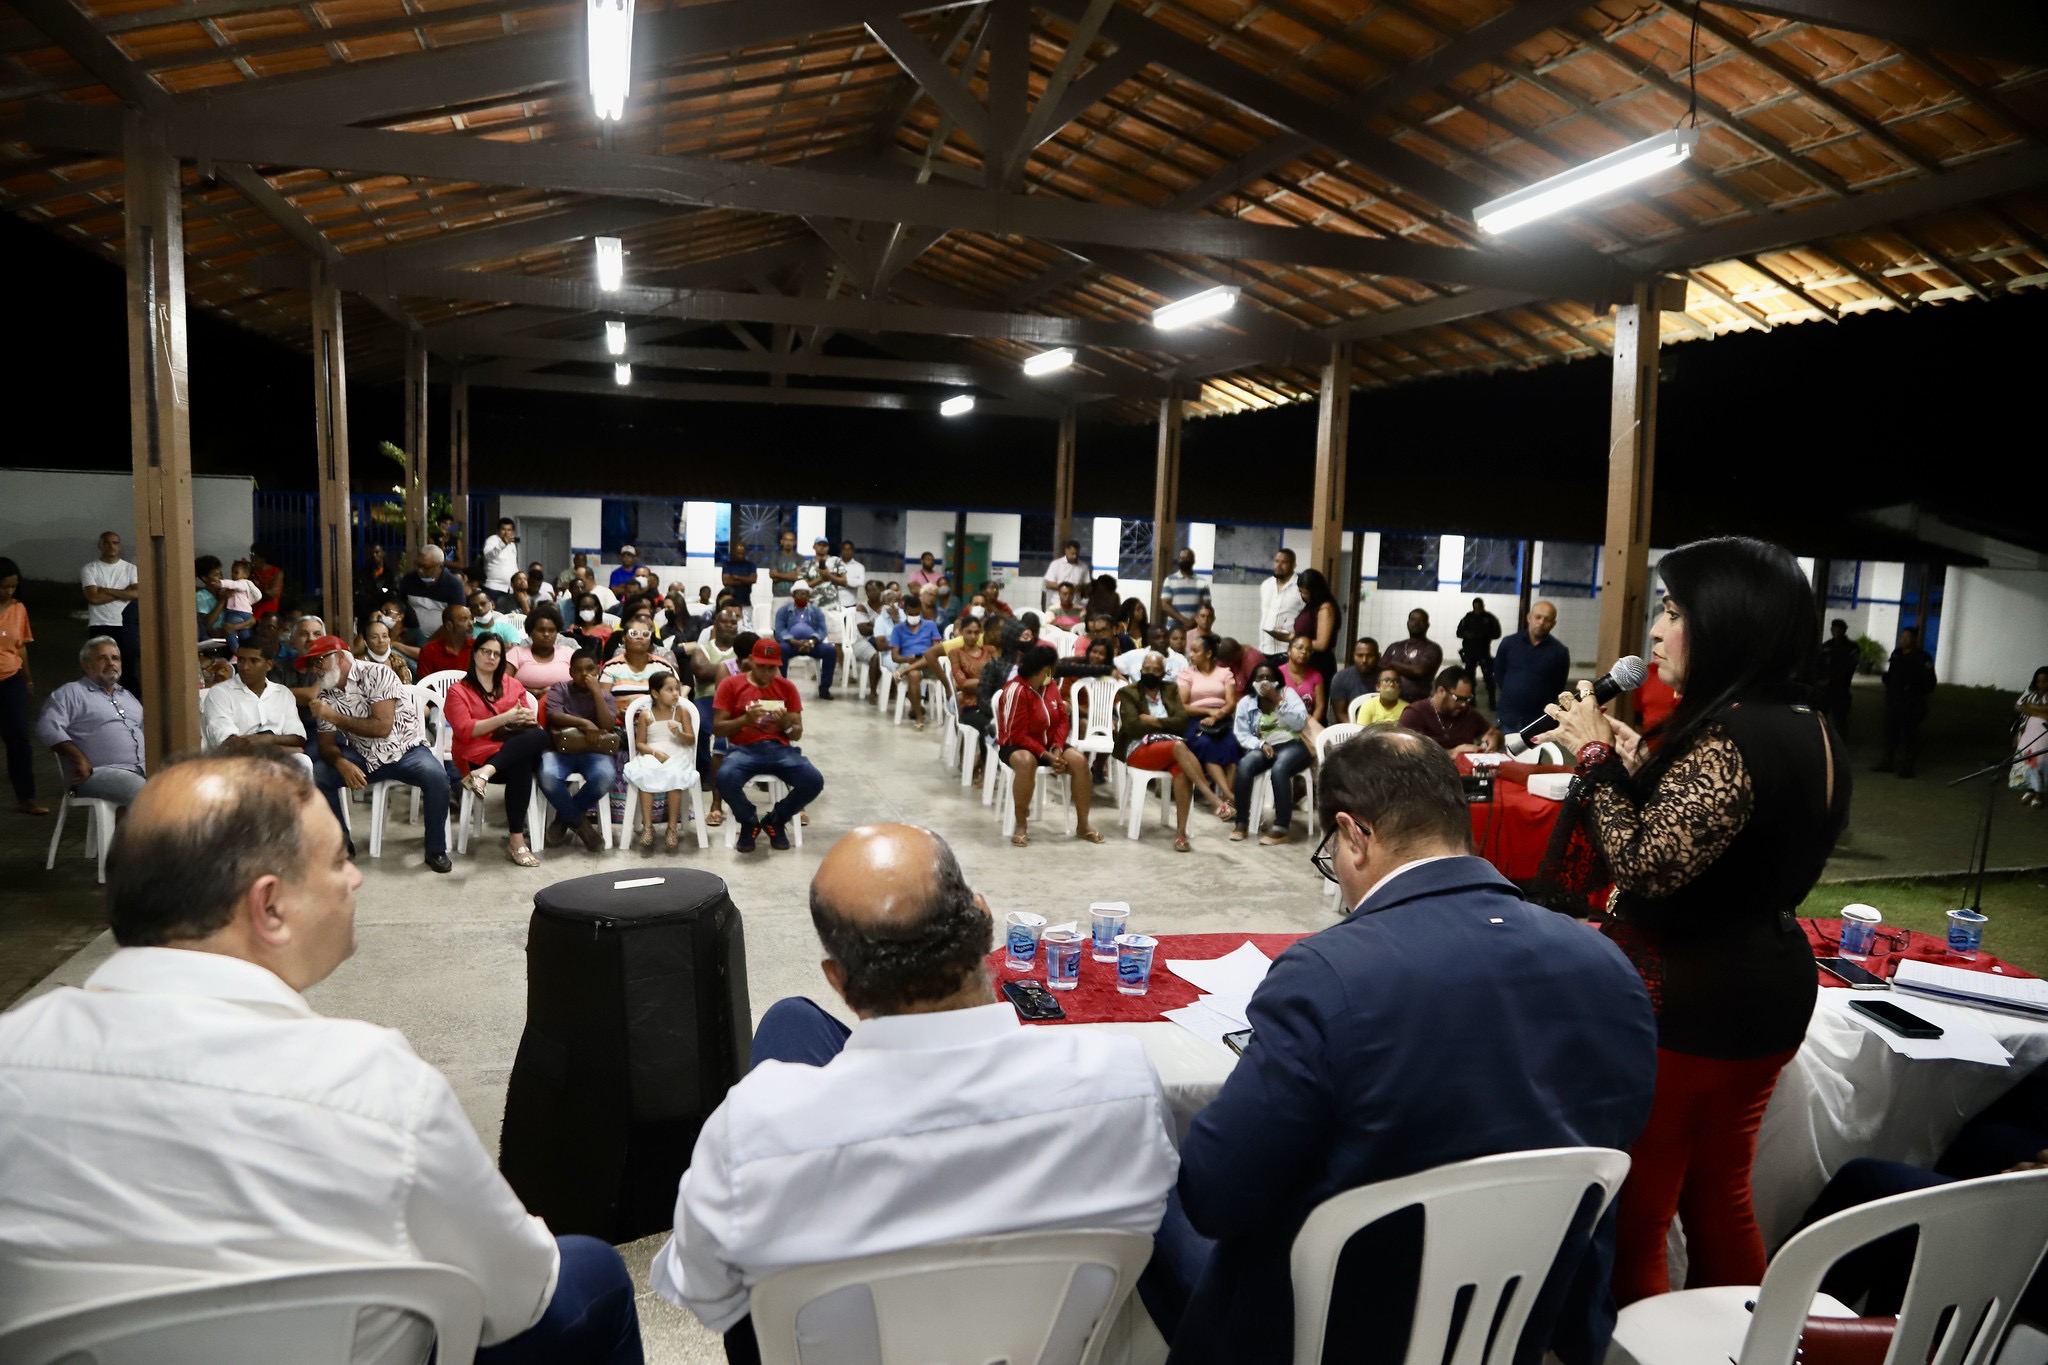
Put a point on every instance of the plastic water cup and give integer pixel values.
(1022, 939)
(1965, 934)
(1134, 963)
(1106, 919)
(1062, 959)
(1859, 930)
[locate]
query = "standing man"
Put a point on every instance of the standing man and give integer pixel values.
(1532, 667)
(95, 725)
(622, 577)
(1448, 715)
(250, 714)
(1180, 592)
(854, 573)
(1417, 659)
(1068, 568)
(1908, 679)
(370, 731)
(927, 572)
(1839, 660)
(431, 588)
(786, 570)
(1476, 634)
(759, 713)
(1279, 602)
(739, 574)
(111, 583)
(826, 573)
(501, 558)
(909, 642)
(800, 631)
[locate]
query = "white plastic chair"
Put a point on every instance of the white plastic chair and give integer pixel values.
(1491, 1226)
(1134, 790)
(1098, 731)
(99, 830)
(1979, 1243)
(1047, 1297)
(632, 796)
(1002, 779)
(250, 1318)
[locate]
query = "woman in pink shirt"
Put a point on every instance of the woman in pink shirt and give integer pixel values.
(1300, 678)
(496, 735)
(543, 661)
(1209, 691)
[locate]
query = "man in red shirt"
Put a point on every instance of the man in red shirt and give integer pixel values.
(1240, 659)
(759, 713)
(447, 648)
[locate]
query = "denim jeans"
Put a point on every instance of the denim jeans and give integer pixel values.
(770, 759)
(590, 1320)
(598, 772)
(118, 785)
(417, 767)
(827, 656)
(1288, 759)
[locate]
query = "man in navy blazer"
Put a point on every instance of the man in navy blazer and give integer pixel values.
(1443, 1019)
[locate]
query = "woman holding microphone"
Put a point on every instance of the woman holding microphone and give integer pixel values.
(1714, 838)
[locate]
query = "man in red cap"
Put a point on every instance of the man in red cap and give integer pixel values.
(759, 712)
(370, 731)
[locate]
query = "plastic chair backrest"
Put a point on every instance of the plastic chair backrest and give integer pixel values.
(1492, 1226)
(431, 695)
(1046, 1298)
(1101, 694)
(627, 724)
(247, 1318)
(1335, 734)
(1979, 1243)
(1061, 640)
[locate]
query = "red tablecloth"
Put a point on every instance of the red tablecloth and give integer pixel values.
(1825, 936)
(1512, 830)
(1097, 1001)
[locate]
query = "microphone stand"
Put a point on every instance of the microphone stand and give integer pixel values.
(1980, 842)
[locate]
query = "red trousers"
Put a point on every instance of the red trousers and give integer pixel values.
(1693, 1159)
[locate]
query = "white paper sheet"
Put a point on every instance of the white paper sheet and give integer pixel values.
(1230, 1008)
(1205, 1023)
(1234, 976)
(1961, 1040)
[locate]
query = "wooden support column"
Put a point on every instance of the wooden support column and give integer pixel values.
(1333, 433)
(330, 438)
(415, 443)
(1063, 485)
(1166, 491)
(458, 455)
(160, 441)
(1631, 475)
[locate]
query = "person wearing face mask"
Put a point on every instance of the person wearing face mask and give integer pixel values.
(1150, 720)
(590, 630)
(1381, 707)
(377, 647)
(486, 619)
(1268, 730)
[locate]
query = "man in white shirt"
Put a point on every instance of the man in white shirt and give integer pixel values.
(1132, 661)
(187, 1115)
(939, 1116)
(250, 714)
(1068, 568)
(854, 573)
(501, 557)
(110, 584)
(1279, 603)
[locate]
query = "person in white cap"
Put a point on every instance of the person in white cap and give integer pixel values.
(621, 576)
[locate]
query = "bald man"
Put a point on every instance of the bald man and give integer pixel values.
(937, 1116)
(275, 1138)
(1532, 666)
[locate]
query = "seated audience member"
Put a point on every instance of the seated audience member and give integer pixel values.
(231, 600)
(1448, 716)
(1133, 621)
(630, 674)
(800, 631)
(1417, 659)
(1240, 660)
(629, 560)
(579, 714)
(379, 648)
(909, 642)
(760, 714)
(1150, 723)
(275, 1139)
(1209, 691)
(665, 758)
(1300, 677)
(1132, 661)
(967, 664)
(250, 714)
(1100, 599)
(1066, 613)
(537, 579)
(844, 1143)
(496, 736)
(431, 588)
(384, 739)
(1031, 733)
(447, 649)
(945, 606)
(1356, 679)
(1102, 626)
(1268, 728)
(589, 630)
(517, 600)
(486, 619)
(1345, 1084)
(1382, 707)
(95, 726)
(543, 660)
(871, 627)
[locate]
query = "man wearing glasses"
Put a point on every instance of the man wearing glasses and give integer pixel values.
(95, 725)
(1449, 717)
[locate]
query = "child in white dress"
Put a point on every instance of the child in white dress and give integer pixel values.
(665, 757)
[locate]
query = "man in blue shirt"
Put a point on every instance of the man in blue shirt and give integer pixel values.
(1532, 666)
(1443, 1019)
(622, 577)
(908, 644)
(800, 630)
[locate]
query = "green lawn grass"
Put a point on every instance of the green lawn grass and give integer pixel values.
(2017, 906)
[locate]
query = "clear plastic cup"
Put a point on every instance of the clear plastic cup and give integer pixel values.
(1134, 963)
(1859, 930)
(1106, 919)
(1966, 934)
(1021, 940)
(1062, 959)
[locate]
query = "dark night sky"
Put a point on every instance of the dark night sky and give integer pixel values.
(1759, 433)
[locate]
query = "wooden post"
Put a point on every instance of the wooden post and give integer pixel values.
(415, 443)
(330, 443)
(160, 440)
(458, 455)
(1166, 491)
(1631, 475)
(1333, 432)
(1063, 484)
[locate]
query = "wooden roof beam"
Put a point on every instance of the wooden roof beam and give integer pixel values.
(2009, 29)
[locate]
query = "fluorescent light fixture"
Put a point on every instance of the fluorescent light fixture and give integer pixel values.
(611, 55)
(957, 404)
(1639, 161)
(1196, 307)
(611, 263)
(1045, 362)
(622, 375)
(615, 337)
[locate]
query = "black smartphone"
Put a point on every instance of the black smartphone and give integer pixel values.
(1859, 977)
(1237, 1042)
(1905, 1023)
(1032, 1000)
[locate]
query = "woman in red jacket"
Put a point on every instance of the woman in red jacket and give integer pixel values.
(1031, 733)
(497, 737)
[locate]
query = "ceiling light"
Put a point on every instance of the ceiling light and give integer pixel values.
(1045, 362)
(615, 337)
(957, 404)
(611, 55)
(622, 375)
(611, 263)
(1638, 161)
(1196, 307)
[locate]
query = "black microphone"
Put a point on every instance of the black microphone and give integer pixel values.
(1626, 676)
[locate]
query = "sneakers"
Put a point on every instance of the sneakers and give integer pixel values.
(778, 837)
(747, 842)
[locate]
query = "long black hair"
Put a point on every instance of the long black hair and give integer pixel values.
(1750, 629)
(1315, 590)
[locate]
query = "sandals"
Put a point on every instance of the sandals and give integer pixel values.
(714, 819)
(476, 783)
(671, 842)
(1020, 839)
(32, 807)
(1237, 836)
(646, 841)
(1093, 836)
(1271, 840)
(522, 856)
(1226, 812)
(1181, 844)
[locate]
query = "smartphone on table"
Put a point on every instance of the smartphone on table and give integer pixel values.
(1903, 1022)
(1033, 1001)
(1858, 976)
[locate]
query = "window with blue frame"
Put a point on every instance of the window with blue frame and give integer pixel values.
(1492, 564)
(1408, 560)
(1569, 569)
